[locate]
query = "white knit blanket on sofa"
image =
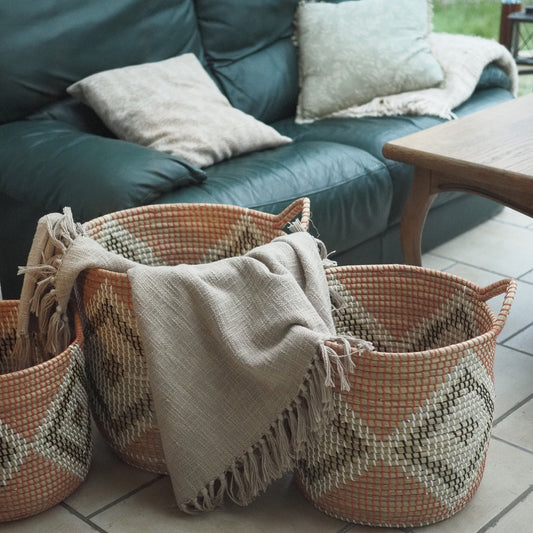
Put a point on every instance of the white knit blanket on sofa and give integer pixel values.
(462, 58)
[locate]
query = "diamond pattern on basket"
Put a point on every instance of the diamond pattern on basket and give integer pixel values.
(239, 240)
(13, 450)
(121, 402)
(447, 317)
(418, 449)
(56, 439)
(118, 239)
(62, 436)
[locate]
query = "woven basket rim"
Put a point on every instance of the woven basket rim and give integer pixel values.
(475, 289)
(279, 221)
(409, 269)
(170, 208)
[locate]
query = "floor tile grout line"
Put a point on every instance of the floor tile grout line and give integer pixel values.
(517, 446)
(510, 411)
(507, 223)
(84, 519)
(455, 262)
(491, 523)
(126, 496)
(518, 332)
(527, 274)
(477, 267)
(523, 352)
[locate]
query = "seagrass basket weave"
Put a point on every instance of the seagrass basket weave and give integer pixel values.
(45, 432)
(408, 442)
(169, 234)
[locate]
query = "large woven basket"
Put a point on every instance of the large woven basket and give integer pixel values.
(45, 433)
(120, 395)
(408, 442)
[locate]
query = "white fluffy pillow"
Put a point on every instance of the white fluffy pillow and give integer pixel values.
(174, 106)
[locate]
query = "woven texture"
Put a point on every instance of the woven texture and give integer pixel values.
(121, 399)
(45, 434)
(408, 442)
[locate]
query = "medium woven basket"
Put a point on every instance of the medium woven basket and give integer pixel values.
(408, 442)
(169, 234)
(45, 432)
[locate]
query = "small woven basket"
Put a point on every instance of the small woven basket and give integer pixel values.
(408, 442)
(169, 234)
(45, 432)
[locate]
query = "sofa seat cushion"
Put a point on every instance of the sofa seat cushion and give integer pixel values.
(94, 175)
(372, 133)
(350, 190)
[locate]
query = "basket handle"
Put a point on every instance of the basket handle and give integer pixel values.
(301, 207)
(507, 286)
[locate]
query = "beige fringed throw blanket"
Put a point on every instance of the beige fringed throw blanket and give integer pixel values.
(235, 349)
(462, 58)
(237, 365)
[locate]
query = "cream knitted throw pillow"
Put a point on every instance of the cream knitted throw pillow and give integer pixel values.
(174, 106)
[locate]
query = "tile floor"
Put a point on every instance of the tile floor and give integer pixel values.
(116, 498)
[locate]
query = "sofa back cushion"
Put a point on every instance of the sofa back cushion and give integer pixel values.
(249, 49)
(47, 45)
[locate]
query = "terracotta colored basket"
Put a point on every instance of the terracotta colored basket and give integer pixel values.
(169, 234)
(45, 433)
(408, 443)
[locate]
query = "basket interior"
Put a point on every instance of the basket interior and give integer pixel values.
(183, 233)
(409, 314)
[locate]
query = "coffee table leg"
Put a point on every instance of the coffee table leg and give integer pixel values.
(414, 216)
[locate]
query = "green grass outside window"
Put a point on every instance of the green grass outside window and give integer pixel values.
(469, 17)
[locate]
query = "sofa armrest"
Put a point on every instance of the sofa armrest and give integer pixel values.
(493, 76)
(50, 164)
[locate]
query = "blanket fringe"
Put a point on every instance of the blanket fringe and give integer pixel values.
(296, 226)
(278, 450)
(43, 329)
(343, 362)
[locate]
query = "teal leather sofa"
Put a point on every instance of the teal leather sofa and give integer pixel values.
(55, 152)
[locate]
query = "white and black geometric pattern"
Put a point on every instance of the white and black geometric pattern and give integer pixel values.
(14, 448)
(63, 436)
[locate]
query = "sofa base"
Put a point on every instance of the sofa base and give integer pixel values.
(444, 222)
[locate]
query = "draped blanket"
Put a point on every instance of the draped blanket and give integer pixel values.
(234, 351)
(462, 59)
(238, 368)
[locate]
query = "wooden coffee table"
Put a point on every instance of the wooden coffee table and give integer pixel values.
(488, 153)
